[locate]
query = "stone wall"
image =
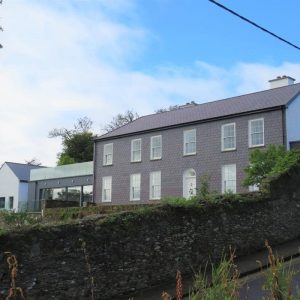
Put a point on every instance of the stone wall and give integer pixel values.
(135, 250)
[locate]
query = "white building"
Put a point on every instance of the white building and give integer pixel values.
(14, 179)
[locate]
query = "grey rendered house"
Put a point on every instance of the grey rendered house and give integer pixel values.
(165, 154)
(72, 182)
(14, 178)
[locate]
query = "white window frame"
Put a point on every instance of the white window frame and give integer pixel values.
(152, 157)
(224, 189)
(104, 188)
(152, 185)
(132, 187)
(223, 137)
(106, 154)
(250, 134)
(132, 150)
(185, 133)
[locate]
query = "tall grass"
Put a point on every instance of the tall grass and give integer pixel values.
(221, 283)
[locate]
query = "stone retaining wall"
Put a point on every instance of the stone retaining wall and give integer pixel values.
(135, 250)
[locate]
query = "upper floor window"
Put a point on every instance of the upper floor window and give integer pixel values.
(229, 178)
(106, 189)
(189, 143)
(228, 137)
(136, 150)
(256, 133)
(155, 185)
(108, 154)
(156, 146)
(135, 187)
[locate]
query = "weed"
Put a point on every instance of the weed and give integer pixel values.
(179, 290)
(165, 296)
(221, 283)
(88, 265)
(278, 278)
(14, 291)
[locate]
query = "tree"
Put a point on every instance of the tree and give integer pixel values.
(272, 161)
(175, 107)
(170, 108)
(33, 162)
(78, 144)
(120, 120)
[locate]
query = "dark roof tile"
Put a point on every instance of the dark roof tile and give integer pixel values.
(236, 105)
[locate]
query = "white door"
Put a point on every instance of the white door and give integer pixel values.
(189, 183)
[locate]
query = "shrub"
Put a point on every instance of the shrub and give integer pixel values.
(13, 219)
(180, 201)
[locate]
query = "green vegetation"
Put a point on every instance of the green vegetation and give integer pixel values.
(10, 220)
(78, 144)
(278, 278)
(221, 283)
(273, 161)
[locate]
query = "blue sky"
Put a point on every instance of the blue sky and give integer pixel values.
(63, 60)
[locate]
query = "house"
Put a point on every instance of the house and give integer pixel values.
(72, 182)
(165, 154)
(14, 179)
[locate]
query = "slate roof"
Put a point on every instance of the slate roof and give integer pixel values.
(257, 101)
(22, 171)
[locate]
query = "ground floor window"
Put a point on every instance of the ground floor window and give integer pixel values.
(155, 185)
(106, 189)
(135, 187)
(2, 202)
(87, 192)
(11, 202)
(71, 193)
(74, 193)
(229, 178)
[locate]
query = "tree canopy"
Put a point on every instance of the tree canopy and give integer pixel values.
(77, 143)
(120, 120)
(272, 161)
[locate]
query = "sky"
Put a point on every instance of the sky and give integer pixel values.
(63, 60)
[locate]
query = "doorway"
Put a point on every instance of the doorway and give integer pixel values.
(189, 183)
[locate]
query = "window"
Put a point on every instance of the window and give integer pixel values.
(108, 154)
(2, 202)
(106, 189)
(135, 187)
(155, 185)
(229, 178)
(253, 188)
(59, 193)
(189, 142)
(256, 133)
(228, 137)
(11, 202)
(136, 153)
(87, 195)
(74, 193)
(156, 147)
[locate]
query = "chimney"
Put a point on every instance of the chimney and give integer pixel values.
(281, 81)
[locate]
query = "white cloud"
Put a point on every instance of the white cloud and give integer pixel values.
(61, 62)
